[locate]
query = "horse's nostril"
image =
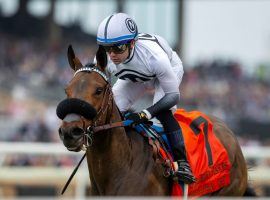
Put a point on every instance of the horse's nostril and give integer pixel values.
(60, 132)
(77, 132)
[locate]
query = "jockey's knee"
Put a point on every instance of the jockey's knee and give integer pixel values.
(168, 121)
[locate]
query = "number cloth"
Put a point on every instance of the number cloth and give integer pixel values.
(208, 158)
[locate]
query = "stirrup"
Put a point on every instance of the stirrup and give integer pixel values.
(184, 172)
(186, 177)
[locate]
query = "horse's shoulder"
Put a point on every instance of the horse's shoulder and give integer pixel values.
(135, 137)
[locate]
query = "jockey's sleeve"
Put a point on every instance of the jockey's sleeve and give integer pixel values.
(165, 103)
(169, 83)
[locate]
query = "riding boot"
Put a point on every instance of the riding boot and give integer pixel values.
(183, 172)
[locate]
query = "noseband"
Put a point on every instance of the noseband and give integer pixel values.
(107, 103)
(91, 129)
(106, 106)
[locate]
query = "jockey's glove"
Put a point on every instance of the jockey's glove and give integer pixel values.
(137, 118)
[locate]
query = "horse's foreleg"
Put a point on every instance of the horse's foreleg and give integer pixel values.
(94, 190)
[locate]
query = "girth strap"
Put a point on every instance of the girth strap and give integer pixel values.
(155, 145)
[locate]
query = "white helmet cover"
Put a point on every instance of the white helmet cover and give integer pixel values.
(117, 28)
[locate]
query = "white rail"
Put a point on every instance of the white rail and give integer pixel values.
(34, 148)
(256, 152)
(42, 175)
(15, 175)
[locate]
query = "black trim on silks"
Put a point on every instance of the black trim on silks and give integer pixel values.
(134, 76)
(76, 106)
(130, 70)
(130, 57)
(146, 36)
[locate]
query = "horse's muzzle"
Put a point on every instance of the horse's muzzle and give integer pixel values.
(70, 111)
(77, 106)
(72, 137)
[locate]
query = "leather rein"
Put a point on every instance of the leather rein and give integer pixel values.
(106, 104)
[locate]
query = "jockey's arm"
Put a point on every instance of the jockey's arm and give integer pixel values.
(168, 82)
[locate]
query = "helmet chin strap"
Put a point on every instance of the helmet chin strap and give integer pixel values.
(130, 52)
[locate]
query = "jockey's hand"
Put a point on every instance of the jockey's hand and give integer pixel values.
(136, 118)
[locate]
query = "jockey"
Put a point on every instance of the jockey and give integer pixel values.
(143, 63)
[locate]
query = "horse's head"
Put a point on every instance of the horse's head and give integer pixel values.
(87, 99)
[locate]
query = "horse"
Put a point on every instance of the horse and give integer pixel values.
(120, 160)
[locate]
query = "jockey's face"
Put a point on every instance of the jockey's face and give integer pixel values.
(119, 57)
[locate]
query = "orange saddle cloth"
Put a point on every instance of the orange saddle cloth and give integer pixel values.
(208, 158)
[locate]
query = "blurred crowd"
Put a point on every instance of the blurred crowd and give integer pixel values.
(224, 89)
(33, 75)
(36, 62)
(33, 72)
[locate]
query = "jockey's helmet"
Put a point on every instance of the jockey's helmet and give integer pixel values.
(117, 29)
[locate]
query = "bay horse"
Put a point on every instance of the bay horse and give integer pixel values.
(120, 160)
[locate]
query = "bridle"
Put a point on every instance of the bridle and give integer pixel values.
(106, 106)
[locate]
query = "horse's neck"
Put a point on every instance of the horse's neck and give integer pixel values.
(114, 139)
(110, 150)
(117, 163)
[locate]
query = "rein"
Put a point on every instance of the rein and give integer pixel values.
(90, 130)
(107, 126)
(106, 107)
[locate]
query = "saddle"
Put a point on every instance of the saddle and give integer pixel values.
(162, 154)
(208, 159)
(162, 151)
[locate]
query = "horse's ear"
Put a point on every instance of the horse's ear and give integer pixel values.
(74, 62)
(101, 57)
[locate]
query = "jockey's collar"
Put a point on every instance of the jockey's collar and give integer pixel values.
(130, 55)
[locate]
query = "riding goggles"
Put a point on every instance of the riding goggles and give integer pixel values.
(117, 49)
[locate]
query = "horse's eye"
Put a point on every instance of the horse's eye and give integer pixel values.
(99, 90)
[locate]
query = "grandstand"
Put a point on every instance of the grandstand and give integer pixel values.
(34, 71)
